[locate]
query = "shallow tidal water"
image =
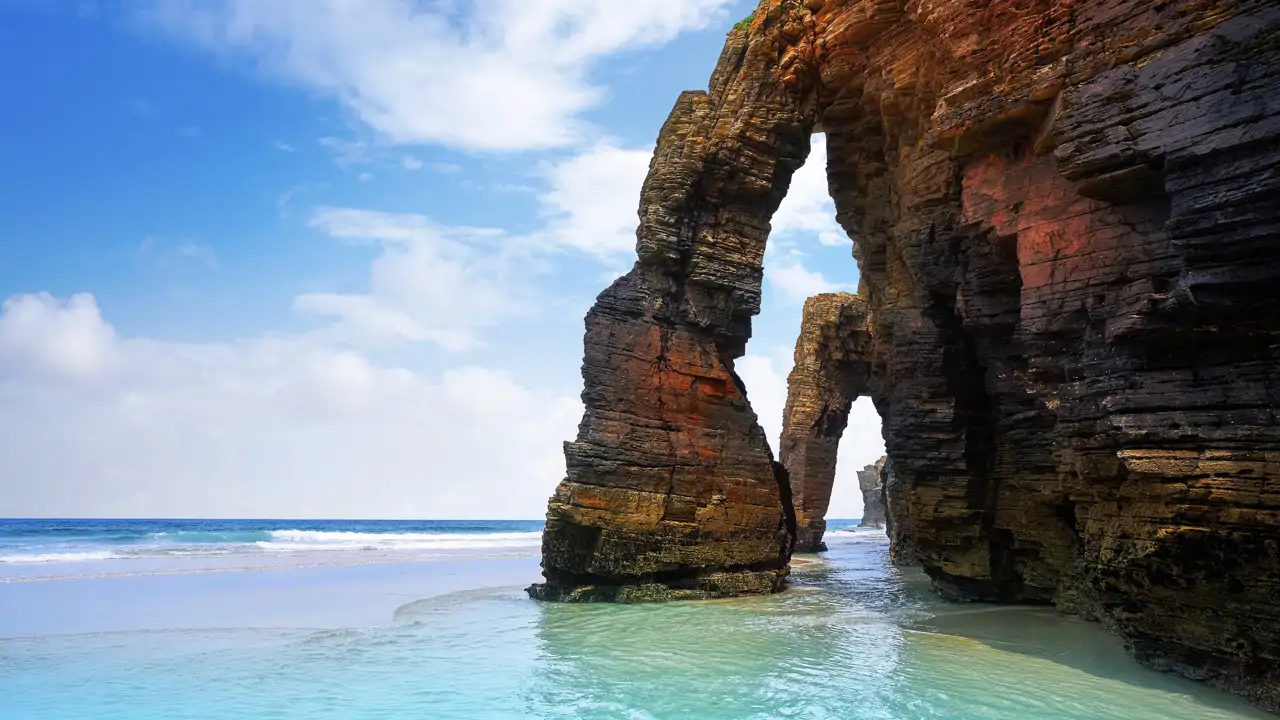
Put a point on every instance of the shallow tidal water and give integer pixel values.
(852, 638)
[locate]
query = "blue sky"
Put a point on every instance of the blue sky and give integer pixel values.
(324, 258)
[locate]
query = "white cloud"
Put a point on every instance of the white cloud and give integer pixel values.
(447, 73)
(202, 254)
(347, 153)
(445, 168)
(806, 214)
(365, 177)
(411, 163)
(808, 208)
(794, 282)
(861, 445)
(593, 199)
(284, 147)
(766, 379)
(165, 255)
(429, 283)
(40, 334)
(94, 424)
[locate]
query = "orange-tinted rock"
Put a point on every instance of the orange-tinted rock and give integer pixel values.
(672, 489)
(1067, 218)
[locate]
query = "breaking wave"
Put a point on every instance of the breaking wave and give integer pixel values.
(63, 557)
(294, 540)
(212, 544)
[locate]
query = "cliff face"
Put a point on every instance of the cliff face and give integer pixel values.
(1067, 220)
(871, 481)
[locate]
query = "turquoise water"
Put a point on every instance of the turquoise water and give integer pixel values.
(456, 638)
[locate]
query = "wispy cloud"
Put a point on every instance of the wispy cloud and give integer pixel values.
(167, 255)
(347, 153)
(430, 283)
(196, 252)
(794, 282)
(429, 73)
(287, 200)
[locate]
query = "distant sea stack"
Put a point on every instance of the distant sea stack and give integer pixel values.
(871, 482)
(1067, 222)
(830, 372)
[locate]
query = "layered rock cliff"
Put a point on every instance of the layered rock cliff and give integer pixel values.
(871, 482)
(1067, 219)
(672, 489)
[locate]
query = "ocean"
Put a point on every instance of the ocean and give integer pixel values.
(47, 549)
(294, 620)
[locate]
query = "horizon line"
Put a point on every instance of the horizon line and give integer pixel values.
(284, 519)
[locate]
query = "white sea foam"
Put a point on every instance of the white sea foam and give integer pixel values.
(289, 542)
(303, 540)
(858, 536)
(63, 557)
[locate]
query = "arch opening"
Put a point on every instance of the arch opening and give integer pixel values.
(832, 371)
(817, 405)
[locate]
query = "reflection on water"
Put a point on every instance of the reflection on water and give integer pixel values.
(854, 638)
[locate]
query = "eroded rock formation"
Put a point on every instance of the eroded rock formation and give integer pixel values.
(672, 489)
(1067, 218)
(830, 372)
(871, 482)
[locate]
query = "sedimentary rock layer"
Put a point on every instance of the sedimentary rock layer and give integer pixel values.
(898, 522)
(672, 489)
(1067, 221)
(830, 372)
(871, 482)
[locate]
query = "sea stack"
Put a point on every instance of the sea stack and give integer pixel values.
(1066, 215)
(672, 488)
(831, 370)
(871, 482)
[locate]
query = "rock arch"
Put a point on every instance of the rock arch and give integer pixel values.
(672, 488)
(832, 369)
(1065, 217)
